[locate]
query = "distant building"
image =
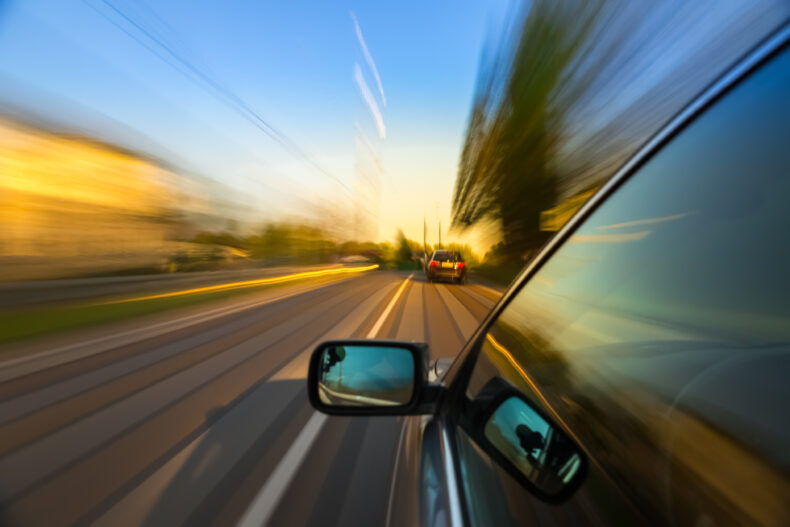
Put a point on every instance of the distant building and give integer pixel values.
(71, 205)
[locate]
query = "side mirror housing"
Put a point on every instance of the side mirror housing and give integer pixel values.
(371, 377)
(527, 443)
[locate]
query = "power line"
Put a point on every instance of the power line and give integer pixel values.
(215, 88)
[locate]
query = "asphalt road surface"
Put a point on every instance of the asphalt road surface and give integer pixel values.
(202, 418)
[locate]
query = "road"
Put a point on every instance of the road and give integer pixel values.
(201, 417)
(14, 295)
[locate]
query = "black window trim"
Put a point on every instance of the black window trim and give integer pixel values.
(458, 374)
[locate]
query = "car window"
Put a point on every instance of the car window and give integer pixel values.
(443, 256)
(659, 332)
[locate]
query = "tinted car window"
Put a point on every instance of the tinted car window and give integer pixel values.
(447, 256)
(659, 333)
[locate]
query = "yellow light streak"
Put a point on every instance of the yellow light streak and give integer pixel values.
(249, 283)
(528, 378)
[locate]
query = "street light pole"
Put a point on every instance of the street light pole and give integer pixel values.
(424, 242)
(440, 225)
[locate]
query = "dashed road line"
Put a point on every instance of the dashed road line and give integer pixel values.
(263, 506)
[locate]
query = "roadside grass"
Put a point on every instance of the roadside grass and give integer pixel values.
(39, 321)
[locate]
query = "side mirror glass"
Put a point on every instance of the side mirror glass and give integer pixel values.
(531, 448)
(365, 377)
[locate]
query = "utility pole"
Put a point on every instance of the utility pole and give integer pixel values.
(440, 225)
(424, 237)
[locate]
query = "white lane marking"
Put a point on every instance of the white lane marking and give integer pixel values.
(411, 325)
(263, 505)
(40, 458)
(380, 322)
(134, 508)
(104, 343)
(297, 368)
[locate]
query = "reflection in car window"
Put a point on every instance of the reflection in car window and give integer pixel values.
(659, 334)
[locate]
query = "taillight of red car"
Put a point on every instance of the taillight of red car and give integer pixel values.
(460, 265)
(434, 263)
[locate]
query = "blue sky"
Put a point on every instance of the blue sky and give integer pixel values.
(293, 62)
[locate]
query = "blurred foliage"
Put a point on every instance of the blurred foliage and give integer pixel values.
(465, 250)
(285, 243)
(497, 265)
(291, 243)
(221, 238)
(404, 247)
(496, 254)
(571, 89)
(506, 171)
(501, 274)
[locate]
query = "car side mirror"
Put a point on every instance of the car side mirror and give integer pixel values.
(370, 377)
(529, 446)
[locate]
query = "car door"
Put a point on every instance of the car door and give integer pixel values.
(654, 331)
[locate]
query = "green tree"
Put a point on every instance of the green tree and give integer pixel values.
(404, 247)
(466, 252)
(507, 172)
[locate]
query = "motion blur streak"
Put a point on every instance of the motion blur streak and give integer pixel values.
(70, 205)
(252, 283)
(263, 506)
(187, 426)
(377, 326)
(572, 90)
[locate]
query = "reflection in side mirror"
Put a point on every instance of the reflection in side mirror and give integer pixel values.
(530, 448)
(364, 376)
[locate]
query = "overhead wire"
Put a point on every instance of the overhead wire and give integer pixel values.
(192, 72)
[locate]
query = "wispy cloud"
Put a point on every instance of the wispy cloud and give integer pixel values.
(370, 100)
(369, 58)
